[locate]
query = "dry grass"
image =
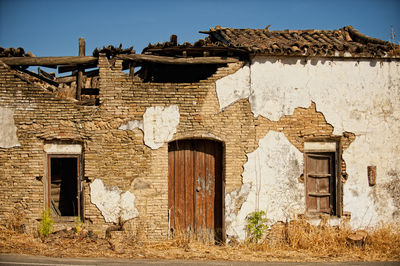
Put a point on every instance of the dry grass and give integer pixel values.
(294, 241)
(334, 243)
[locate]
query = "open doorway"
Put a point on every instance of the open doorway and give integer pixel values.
(64, 185)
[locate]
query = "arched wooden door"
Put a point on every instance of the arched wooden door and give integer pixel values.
(195, 197)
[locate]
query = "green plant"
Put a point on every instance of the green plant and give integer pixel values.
(256, 226)
(46, 224)
(79, 225)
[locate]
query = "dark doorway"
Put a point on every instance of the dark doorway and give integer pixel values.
(195, 197)
(64, 185)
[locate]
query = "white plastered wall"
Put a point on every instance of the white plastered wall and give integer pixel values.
(112, 202)
(358, 96)
(8, 130)
(270, 183)
(158, 125)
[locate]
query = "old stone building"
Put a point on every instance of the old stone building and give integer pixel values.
(295, 123)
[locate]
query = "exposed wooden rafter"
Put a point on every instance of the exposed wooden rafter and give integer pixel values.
(49, 61)
(141, 58)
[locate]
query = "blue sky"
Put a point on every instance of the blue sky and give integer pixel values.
(52, 28)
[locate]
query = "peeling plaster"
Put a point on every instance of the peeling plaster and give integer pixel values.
(269, 183)
(8, 130)
(131, 125)
(233, 87)
(360, 96)
(112, 203)
(158, 125)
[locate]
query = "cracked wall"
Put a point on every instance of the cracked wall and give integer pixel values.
(360, 97)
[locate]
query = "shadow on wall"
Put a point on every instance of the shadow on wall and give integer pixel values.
(161, 73)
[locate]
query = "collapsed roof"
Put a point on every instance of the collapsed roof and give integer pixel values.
(222, 43)
(173, 62)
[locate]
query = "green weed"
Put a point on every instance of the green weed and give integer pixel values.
(256, 226)
(46, 224)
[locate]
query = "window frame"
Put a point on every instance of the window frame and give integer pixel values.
(64, 150)
(331, 145)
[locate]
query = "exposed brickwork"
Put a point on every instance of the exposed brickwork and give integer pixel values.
(119, 157)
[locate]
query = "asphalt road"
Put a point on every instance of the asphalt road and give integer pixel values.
(13, 259)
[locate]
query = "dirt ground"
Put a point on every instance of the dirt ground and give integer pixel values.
(301, 243)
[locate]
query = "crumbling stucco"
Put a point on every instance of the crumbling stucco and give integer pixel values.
(131, 125)
(233, 87)
(269, 183)
(8, 130)
(112, 203)
(158, 125)
(358, 96)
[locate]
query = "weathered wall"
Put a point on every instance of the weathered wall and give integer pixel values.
(358, 97)
(262, 112)
(31, 117)
(124, 142)
(269, 183)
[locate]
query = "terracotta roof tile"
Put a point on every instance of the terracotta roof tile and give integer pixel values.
(346, 41)
(305, 42)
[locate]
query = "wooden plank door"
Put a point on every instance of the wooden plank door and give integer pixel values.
(320, 183)
(195, 187)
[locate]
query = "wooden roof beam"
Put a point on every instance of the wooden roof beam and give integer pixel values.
(141, 58)
(48, 61)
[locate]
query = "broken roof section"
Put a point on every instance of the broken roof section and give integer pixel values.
(344, 42)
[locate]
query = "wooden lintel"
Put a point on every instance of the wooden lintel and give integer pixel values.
(48, 61)
(141, 58)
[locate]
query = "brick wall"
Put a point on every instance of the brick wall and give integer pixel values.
(119, 157)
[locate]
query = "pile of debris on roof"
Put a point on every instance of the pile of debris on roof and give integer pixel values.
(14, 52)
(112, 51)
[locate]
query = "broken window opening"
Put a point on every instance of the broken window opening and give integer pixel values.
(64, 185)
